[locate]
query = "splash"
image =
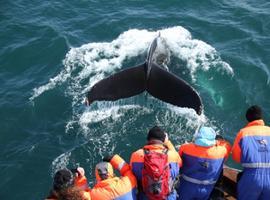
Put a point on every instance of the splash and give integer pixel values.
(60, 162)
(94, 61)
(114, 112)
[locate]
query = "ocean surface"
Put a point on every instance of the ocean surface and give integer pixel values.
(52, 52)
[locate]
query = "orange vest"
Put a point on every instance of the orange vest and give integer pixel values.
(123, 187)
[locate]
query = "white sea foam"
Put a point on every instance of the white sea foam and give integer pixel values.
(94, 60)
(114, 112)
(60, 162)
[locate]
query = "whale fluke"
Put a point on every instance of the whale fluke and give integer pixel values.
(124, 84)
(149, 77)
(171, 89)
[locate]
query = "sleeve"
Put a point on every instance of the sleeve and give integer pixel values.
(132, 160)
(227, 146)
(81, 182)
(124, 168)
(170, 146)
(119, 163)
(236, 150)
(180, 151)
(179, 161)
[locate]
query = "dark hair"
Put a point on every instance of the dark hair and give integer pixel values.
(71, 193)
(253, 113)
(63, 179)
(156, 133)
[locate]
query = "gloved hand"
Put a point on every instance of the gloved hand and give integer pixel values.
(219, 137)
(78, 172)
(107, 158)
(166, 137)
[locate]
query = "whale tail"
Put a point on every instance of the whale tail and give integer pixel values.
(171, 89)
(148, 77)
(124, 84)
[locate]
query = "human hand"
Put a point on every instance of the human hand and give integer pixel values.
(166, 137)
(107, 158)
(219, 137)
(78, 172)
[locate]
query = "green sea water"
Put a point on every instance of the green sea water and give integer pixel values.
(52, 52)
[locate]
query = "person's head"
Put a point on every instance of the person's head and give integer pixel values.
(71, 193)
(104, 170)
(206, 137)
(63, 179)
(253, 113)
(156, 133)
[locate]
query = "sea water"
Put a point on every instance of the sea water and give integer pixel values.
(52, 52)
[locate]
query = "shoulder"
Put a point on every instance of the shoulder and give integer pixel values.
(138, 152)
(137, 156)
(186, 146)
(253, 131)
(220, 150)
(224, 144)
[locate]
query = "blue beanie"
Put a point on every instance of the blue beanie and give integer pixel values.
(205, 137)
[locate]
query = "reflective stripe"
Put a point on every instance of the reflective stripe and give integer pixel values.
(121, 165)
(196, 181)
(256, 165)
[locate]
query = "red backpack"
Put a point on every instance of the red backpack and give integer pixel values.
(155, 175)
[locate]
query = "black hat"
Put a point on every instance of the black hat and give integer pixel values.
(254, 113)
(63, 179)
(156, 133)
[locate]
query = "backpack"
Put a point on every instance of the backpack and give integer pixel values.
(156, 175)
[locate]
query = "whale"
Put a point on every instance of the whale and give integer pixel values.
(148, 76)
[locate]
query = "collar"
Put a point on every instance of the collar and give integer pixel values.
(157, 146)
(154, 142)
(258, 122)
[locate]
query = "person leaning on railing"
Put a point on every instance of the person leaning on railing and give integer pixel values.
(252, 149)
(202, 164)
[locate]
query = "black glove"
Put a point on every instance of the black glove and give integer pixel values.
(107, 158)
(74, 171)
(219, 137)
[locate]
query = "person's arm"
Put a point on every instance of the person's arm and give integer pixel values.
(236, 150)
(224, 143)
(228, 147)
(181, 148)
(124, 168)
(170, 146)
(168, 143)
(80, 178)
(120, 164)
